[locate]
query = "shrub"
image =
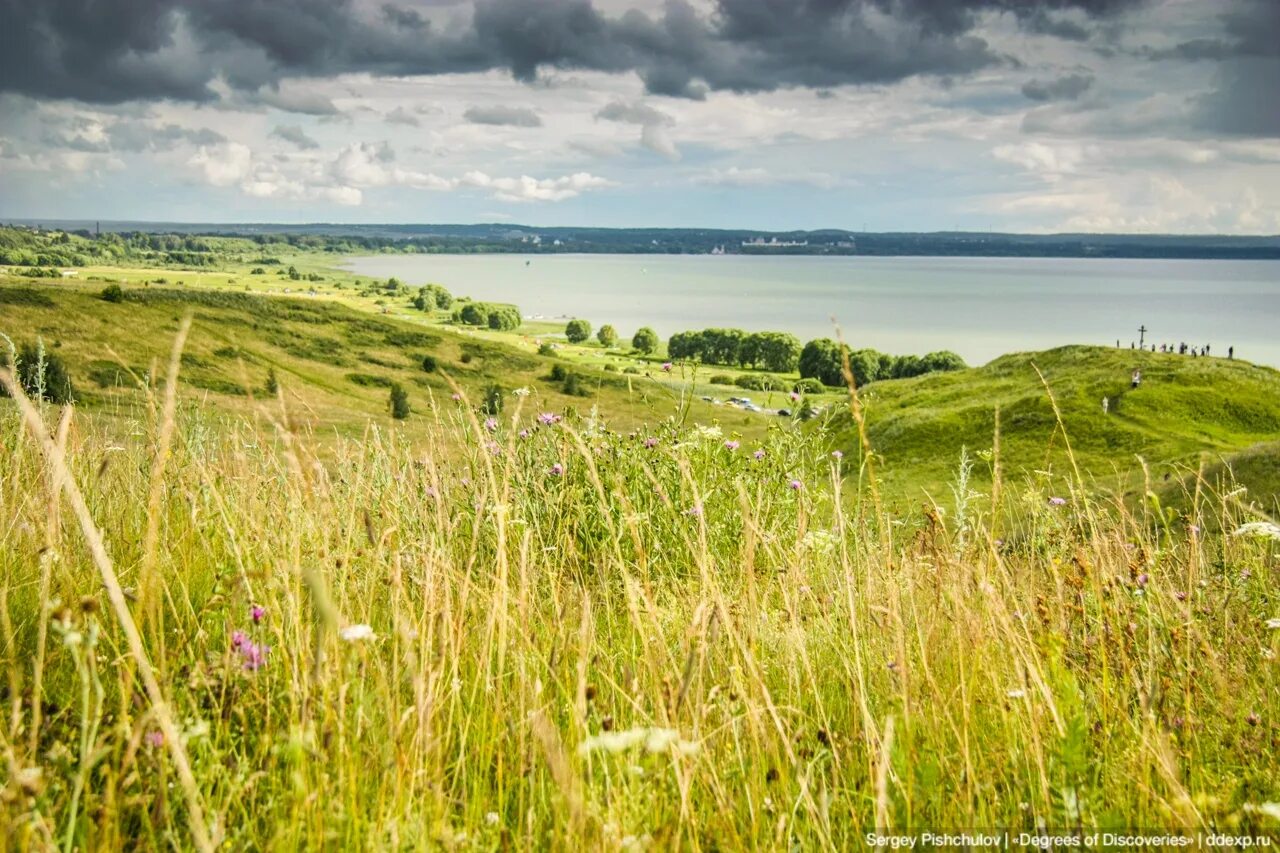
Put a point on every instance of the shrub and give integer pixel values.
(577, 331)
(721, 379)
(465, 358)
(273, 384)
(808, 386)
(558, 373)
(399, 402)
(113, 293)
(429, 363)
(631, 370)
(546, 348)
(494, 397)
(574, 386)
(43, 376)
(761, 382)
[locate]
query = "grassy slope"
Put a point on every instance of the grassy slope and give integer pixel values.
(334, 361)
(1184, 407)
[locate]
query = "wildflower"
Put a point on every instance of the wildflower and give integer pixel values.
(666, 367)
(557, 469)
(491, 424)
(491, 818)
(520, 392)
(731, 445)
(1142, 580)
(795, 396)
(693, 511)
(837, 455)
(524, 433)
(155, 739)
(254, 655)
(456, 397)
(759, 454)
(238, 639)
(256, 613)
(1180, 595)
(1261, 529)
(1194, 529)
(651, 442)
(495, 448)
(548, 418)
(795, 485)
(356, 633)
(1016, 693)
(709, 433)
(1273, 624)
(652, 739)
(1055, 501)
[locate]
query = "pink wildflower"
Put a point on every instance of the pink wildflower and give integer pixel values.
(759, 454)
(731, 445)
(651, 442)
(666, 367)
(557, 469)
(795, 485)
(155, 738)
(548, 418)
(837, 455)
(1057, 501)
(256, 613)
(491, 424)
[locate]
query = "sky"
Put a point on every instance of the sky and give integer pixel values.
(883, 115)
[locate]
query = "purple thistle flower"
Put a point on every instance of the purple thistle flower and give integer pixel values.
(666, 367)
(1180, 595)
(731, 445)
(1057, 501)
(491, 424)
(238, 639)
(651, 442)
(557, 469)
(155, 738)
(795, 485)
(255, 656)
(456, 397)
(1142, 580)
(759, 454)
(524, 433)
(495, 448)
(256, 613)
(795, 396)
(693, 511)
(837, 455)
(548, 418)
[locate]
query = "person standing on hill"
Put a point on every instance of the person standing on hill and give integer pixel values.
(1231, 352)
(1136, 379)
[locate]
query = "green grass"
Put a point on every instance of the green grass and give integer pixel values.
(1185, 411)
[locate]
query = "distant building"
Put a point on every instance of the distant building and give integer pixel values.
(772, 243)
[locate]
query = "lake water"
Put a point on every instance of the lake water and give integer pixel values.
(978, 307)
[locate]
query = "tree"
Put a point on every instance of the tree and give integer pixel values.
(399, 402)
(607, 336)
(865, 366)
(821, 360)
(942, 361)
(429, 363)
(42, 375)
(113, 293)
(504, 318)
(645, 340)
(577, 331)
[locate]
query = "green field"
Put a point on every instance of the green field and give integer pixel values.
(620, 619)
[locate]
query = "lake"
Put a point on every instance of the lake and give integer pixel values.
(978, 307)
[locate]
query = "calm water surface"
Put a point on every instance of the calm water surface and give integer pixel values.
(979, 307)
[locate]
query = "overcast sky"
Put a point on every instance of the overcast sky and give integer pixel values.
(1081, 115)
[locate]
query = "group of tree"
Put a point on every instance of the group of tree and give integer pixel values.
(495, 315)
(777, 351)
(431, 297)
(822, 359)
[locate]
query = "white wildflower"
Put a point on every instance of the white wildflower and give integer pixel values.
(1273, 624)
(491, 818)
(653, 739)
(1271, 810)
(521, 392)
(356, 633)
(707, 433)
(1016, 693)
(1261, 529)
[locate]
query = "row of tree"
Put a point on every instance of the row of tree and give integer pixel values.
(777, 351)
(495, 315)
(823, 359)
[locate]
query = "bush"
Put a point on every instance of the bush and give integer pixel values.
(399, 402)
(607, 336)
(558, 373)
(113, 293)
(721, 379)
(577, 331)
(645, 340)
(273, 384)
(546, 348)
(761, 382)
(631, 370)
(574, 386)
(43, 376)
(465, 358)
(429, 363)
(494, 396)
(808, 386)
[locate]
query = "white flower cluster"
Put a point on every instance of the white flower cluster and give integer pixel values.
(654, 740)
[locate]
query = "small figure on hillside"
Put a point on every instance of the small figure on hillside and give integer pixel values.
(1136, 379)
(1206, 349)
(1106, 405)
(1132, 345)
(1231, 352)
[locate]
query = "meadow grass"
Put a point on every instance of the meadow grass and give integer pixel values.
(581, 638)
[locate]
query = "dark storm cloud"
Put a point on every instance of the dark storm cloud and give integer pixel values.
(1066, 88)
(119, 50)
(501, 116)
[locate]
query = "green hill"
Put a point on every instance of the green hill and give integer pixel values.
(335, 363)
(1185, 408)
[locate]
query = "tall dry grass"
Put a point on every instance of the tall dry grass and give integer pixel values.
(582, 639)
